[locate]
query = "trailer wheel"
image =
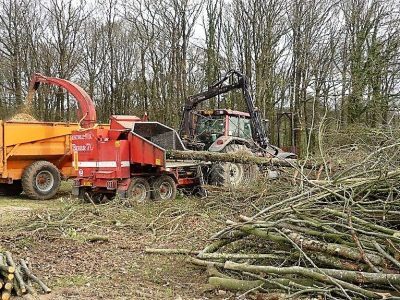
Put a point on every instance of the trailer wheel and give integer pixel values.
(164, 188)
(138, 190)
(41, 180)
(233, 175)
(13, 189)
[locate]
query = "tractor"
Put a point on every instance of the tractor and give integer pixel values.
(225, 130)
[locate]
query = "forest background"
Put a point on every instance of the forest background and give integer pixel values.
(311, 64)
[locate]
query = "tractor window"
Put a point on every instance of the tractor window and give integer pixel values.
(240, 127)
(233, 126)
(245, 128)
(210, 125)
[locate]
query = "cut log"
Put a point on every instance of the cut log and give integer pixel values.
(26, 270)
(8, 286)
(235, 284)
(30, 289)
(5, 295)
(307, 272)
(7, 269)
(313, 245)
(242, 158)
(7, 276)
(351, 276)
(4, 268)
(20, 284)
(214, 246)
(204, 263)
(17, 288)
(204, 255)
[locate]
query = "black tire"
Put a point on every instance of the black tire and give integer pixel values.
(233, 175)
(13, 189)
(41, 180)
(138, 191)
(163, 188)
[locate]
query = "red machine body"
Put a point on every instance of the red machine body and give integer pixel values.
(126, 158)
(111, 161)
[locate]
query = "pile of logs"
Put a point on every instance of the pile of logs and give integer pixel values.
(336, 238)
(16, 278)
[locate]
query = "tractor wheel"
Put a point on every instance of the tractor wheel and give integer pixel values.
(138, 190)
(41, 180)
(233, 175)
(163, 188)
(13, 189)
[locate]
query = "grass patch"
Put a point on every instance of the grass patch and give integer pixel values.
(73, 281)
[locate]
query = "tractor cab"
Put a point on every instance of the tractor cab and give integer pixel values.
(212, 124)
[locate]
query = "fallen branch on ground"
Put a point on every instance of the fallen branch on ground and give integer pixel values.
(341, 235)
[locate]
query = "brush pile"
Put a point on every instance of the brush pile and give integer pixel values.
(16, 278)
(338, 238)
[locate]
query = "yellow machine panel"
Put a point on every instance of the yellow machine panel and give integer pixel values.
(1, 146)
(22, 143)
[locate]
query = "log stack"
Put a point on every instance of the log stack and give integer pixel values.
(337, 239)
(16, 278)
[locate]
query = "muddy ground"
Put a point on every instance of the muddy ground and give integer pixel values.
(86, 251)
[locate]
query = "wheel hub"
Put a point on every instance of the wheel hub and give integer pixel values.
(235, 174)
(139, 192)
(44, 181)
(165, 190)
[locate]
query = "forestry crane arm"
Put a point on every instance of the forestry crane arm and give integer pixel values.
(218, 88)
(86, 111)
